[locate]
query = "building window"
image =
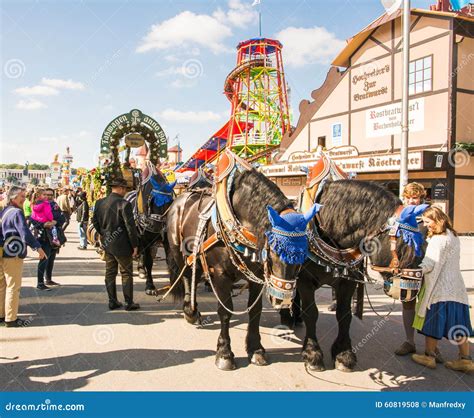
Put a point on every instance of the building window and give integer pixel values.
(420, 75)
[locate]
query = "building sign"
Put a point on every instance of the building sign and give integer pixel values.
(134, 118)
(439, 190)
(336, 152)
(291, 181)
(342, 152)
(386, 120)
(370, 80)
(336, 134)
(380, 163)
(365, 164)
(434, 160)
(279, 170)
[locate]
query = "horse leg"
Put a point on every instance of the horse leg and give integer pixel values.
(341, 350)
(191, 316)
(312, 353)
(255, 350)
(224, 355)
(141, 267)
(150, 288)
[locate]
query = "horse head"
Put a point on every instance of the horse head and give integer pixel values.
(400, 238)
(157, 193)
(280, 231)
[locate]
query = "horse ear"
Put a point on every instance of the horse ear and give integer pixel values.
(420, 209)
(311, 213)
(273, 215)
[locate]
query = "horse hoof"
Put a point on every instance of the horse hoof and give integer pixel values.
(313, 357)
(342, 367)
(345, 361)
(194, 318)
(315, 367)
(258, 358)
(225, 364)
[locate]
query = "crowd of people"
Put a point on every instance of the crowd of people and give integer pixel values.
(38, 219)
(35, 218)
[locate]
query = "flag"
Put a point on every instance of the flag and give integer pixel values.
(456, 4)
(256, 2)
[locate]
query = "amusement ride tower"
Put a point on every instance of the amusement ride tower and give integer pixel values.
(66, 167)
(257, 91)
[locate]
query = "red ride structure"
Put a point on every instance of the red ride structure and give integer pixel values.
(257, 91)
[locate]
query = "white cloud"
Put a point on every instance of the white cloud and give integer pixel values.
(48, 87)
(38, 90)
(49, 139)
(303, 46)
(30, 104)
(62, 84)
(192, 31)
(189, 116)
(169, 71)
(239, 14)
(81, 135)
(180, 83)
(184, 30)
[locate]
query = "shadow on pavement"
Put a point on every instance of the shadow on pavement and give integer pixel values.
(74, 371)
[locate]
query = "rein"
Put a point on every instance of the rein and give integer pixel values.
(237, 239)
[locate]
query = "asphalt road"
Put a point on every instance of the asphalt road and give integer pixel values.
(74, 342)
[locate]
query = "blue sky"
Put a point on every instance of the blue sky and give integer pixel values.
(70, 67)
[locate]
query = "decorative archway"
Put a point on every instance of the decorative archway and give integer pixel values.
(135, 122)
(136, 127)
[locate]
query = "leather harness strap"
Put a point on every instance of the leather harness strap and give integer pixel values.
(206, 245)
(235, 230)
(395, 262)
(325, 168)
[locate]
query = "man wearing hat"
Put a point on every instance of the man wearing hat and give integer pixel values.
(113, 220)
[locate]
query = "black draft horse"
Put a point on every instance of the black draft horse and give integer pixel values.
(151, 202)
(353, 214)
(250, 194)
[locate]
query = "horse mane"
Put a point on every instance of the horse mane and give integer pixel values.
(354, 209)
(250, 195)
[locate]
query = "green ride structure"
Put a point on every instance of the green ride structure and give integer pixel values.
(257, 91)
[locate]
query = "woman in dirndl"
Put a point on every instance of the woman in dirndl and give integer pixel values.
(443, 307)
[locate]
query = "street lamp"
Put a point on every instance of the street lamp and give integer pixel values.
(391, 6)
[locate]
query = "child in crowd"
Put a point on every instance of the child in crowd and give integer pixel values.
(42, 213)
(413, 194)
(443, 307)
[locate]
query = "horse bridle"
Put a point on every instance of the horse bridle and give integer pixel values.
(392, 226)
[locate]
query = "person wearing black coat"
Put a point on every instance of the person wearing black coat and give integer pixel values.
(113, 220)
(82, 217)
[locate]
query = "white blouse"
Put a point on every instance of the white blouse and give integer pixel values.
(441, 267)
